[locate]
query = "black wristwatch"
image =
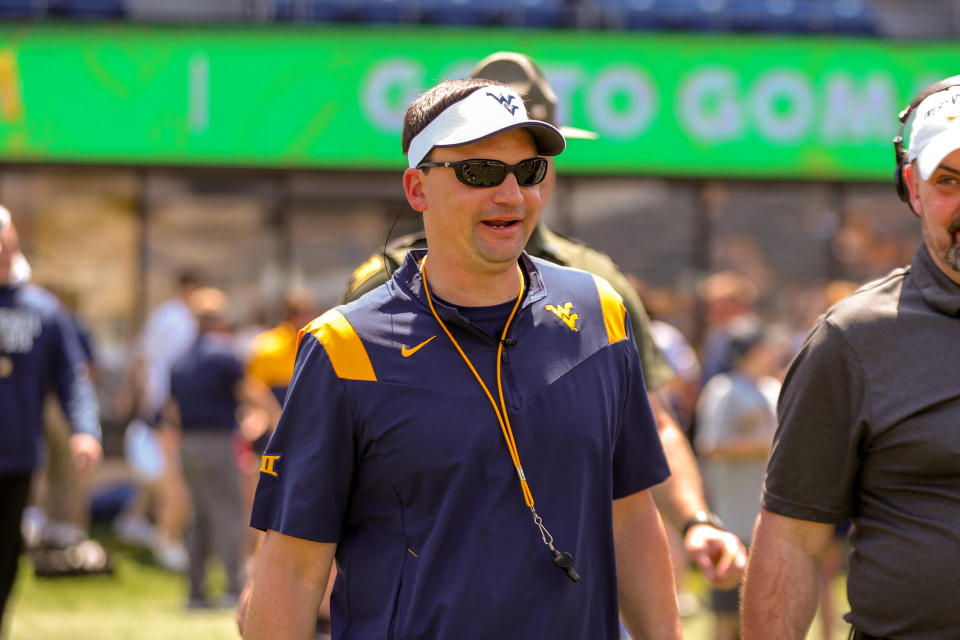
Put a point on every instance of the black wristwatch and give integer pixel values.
(701, 517)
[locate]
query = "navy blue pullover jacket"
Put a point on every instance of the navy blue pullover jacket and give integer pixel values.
(39, 352)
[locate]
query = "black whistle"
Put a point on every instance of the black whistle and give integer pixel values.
(565, 561)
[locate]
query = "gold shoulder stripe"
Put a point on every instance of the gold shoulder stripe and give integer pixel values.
(343, 346)
(614, 313)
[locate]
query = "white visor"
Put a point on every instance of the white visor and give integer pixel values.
(935, 132)
(483, 114)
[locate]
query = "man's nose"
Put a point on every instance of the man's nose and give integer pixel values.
(508, 191)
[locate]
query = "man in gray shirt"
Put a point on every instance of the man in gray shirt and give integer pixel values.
(869, 429)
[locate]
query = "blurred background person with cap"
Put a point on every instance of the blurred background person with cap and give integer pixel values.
(718, 553)
(207, 387)
(735, 424)
(39, 350)
(867, 427)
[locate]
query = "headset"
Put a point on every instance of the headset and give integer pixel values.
(898, 150)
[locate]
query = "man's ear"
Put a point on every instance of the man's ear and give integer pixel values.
(413, 180)
(911, 179)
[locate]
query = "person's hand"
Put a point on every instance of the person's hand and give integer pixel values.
(719, 554)
(242, 603)
(255, 423)
(86, 451)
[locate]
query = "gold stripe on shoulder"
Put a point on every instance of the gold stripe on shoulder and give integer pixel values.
(614, 313)
(343, 346)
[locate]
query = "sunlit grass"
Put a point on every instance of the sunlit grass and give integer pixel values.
(138, 602)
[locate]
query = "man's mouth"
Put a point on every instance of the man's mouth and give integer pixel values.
(954, 230)
(500, 224)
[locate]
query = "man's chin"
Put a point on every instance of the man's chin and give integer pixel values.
(502, 255)
(952, 258)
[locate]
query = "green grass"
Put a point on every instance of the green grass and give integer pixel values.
(142, 602)
(138, 602)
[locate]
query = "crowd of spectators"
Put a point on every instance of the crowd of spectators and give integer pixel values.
(773, 16)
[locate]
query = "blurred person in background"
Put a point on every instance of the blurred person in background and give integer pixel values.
(168, 333)
(727, 296)
(56, 526)
(273, 352)
(867, 427)
(735, 424)
(59, 513)
(207, 388)
(683, 388)
(680, 499)
(152, 450)
(39, 351)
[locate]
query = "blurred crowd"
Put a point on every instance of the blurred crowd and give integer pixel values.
(202, 392)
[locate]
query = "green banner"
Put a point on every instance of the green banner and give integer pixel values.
(333, 97)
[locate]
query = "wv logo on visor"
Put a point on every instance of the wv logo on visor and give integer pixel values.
(506, 102)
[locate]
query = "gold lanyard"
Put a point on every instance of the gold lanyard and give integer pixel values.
(561, 559)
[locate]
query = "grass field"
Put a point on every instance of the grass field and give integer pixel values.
(138, 602)
(142, 602)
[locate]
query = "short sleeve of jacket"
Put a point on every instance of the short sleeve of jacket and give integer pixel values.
(307, 468)
(638, 458)
(822, 415)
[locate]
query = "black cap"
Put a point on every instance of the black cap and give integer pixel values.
(520, 72)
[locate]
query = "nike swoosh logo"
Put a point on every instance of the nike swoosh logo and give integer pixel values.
(406, 353)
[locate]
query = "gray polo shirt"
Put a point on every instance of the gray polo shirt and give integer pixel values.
(869, 429)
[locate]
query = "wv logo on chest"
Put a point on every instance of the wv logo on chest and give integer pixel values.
(564, 312)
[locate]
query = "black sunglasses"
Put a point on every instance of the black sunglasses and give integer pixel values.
(490, 173)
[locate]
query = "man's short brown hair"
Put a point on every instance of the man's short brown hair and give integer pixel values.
(432, 102)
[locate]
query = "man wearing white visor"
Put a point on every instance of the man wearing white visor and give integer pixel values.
(869, 427)
(472, 439)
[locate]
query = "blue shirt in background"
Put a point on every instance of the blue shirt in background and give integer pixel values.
(204, 381)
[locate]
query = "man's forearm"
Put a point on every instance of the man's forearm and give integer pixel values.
(718, 553)
(291, 578)
(648, 599)
(783, 577)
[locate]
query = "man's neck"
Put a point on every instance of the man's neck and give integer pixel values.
(472, 289)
